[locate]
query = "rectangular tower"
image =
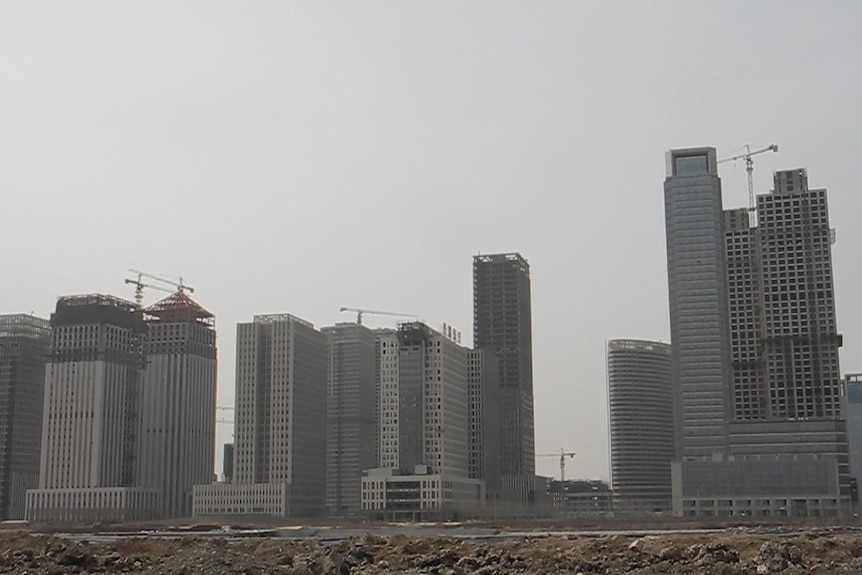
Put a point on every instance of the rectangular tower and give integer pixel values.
(386, 390)
(281, 408)
(801, 338)
(750, 398)
(177, 402)
(24, 341)
(91, 414)
(483, 385)
(697, 289)
(350, 414)
(502, 324)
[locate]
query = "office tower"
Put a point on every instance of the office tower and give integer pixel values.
(90, 415)
(281, 409)
(697, 289)
(801, 338)
(386, 386)
(176, 442)
(750, 400)
(24, 341)
(432, 401)
(483, 386)
(227, 463)
(853, 411)
(640, 417)
(502, 324)
(350, 414)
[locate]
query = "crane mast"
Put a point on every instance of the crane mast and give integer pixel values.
(749, 167)
(562, 455)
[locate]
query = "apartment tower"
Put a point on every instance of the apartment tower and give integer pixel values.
(502, 324)
(350, 414)
(24, 341)
(177, 402)
(640, 418)
(697, 289)
(281, 409)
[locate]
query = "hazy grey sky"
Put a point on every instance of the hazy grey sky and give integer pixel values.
(297, 157)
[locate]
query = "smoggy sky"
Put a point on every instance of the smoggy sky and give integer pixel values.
(297, 157)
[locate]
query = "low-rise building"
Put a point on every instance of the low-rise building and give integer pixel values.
(242, 499)
(420, 496)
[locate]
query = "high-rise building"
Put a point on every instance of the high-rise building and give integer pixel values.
(350, 414)
(176, 440)
(91, 415)
(801, 339)
(24, 341)
(786, 441)
(750, 400)
(640, 417)
(697, 289)
(280, 443)
(483, 384)
(502, 324)
(386, 389)
(432, 401)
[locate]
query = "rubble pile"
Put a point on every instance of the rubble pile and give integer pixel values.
(732, 554)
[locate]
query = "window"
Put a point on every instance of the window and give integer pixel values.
(690, 165)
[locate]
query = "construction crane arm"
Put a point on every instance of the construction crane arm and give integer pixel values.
(360, 312)
(748, 153)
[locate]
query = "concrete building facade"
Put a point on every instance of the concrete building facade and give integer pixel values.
(640, 418)
(483, 388)
(420, 495)
(90, 414)
(386, 384)
(24, 344)
(351, 428)
(432, 401)
(280, 418)
(176, 441)
(697, 289)
(853, 414)
(502, 324)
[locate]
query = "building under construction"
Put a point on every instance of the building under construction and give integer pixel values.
(24, 341)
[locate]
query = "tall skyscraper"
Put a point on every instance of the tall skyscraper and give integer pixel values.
(281, 409)
(640, 417)
(24, 341)
(801, 337)
(176, 441)
(785, 447)
(90, 422)
(697, 286)
(350, 414)
(502, 324)
(483, 384)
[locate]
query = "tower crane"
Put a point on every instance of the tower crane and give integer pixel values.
(140, 285)
(562, 455)
(360, 312)
(749, 167)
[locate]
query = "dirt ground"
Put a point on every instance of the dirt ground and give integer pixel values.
(724, 554)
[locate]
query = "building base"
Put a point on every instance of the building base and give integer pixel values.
(92, 505)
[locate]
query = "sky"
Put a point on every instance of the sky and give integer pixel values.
(302, 156)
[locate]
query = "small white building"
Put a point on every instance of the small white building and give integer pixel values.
(241, 499)
(386, 494)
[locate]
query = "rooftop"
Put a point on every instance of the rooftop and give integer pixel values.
(179, 307)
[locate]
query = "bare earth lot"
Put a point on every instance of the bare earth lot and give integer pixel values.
(732, 552)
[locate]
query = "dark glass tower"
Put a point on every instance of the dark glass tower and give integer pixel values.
(502, 323)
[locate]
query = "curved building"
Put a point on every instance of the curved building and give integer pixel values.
(641, 420)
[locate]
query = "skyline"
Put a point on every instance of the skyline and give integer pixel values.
(298, 159)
